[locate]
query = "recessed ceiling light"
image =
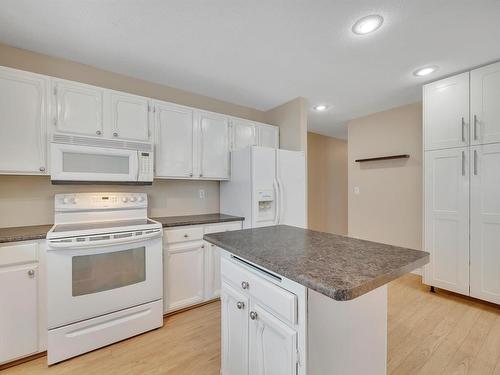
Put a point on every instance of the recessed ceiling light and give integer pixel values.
(320, 107)
(367, 24)
(425, 71)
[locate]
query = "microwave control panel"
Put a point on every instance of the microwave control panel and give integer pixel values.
(146, 172)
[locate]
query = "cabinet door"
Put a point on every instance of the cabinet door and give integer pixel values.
(214, 146)
(184, 275)
(485, 104)
(212, 279)
(79, 108)
(244, 134)
(174, 141)
(234, 330)
(129, 116)
(273, 344)
(485, 223)
(23, 109)
(447, 219)
(18, 312)
(268, 136)
(446, 112)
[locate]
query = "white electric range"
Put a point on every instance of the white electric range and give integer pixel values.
(104, 272)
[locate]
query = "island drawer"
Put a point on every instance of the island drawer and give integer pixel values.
(280, 301)
(184, 234)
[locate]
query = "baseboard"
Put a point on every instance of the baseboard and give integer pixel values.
(418, 272)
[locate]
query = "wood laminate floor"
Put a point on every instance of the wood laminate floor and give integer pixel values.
(429, 334)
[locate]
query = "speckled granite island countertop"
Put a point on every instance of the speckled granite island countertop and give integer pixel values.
(339, 267)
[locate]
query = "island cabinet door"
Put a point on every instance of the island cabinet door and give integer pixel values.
(273, 344)
(234, 320)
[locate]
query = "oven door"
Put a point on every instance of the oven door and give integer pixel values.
(90, 281)
(86, 163)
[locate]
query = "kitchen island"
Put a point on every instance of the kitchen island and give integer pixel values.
(297, 301)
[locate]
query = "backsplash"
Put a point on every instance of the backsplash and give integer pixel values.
(29, 200)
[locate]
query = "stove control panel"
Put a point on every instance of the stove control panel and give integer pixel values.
(100, 201)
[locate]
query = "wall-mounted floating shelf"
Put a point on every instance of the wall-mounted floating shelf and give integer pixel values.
(402, 156)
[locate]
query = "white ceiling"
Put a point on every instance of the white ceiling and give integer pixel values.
(262, 53)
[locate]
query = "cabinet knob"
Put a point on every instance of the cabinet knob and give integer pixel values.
(98, 132)
(31, 273)
(115, 134)
(186, 235)
(42, 169)
(201, 174)
(202, 246)
(240, 305)
(245, 285)
(190, 175)
(253, 315)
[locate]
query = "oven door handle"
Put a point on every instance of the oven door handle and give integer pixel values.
(73, 245)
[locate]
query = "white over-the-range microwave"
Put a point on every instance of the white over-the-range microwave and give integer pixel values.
(79, 159)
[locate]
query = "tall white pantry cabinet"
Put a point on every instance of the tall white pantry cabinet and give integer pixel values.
(462, 183)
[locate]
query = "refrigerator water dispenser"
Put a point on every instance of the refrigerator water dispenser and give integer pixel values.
(266, 203)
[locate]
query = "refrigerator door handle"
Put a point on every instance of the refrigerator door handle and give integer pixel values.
(281, 203)
(277, 202)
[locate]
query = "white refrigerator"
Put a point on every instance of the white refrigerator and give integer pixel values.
(267, 187)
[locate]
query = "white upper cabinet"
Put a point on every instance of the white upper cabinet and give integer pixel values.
(214, 146)
(23, 117)
(129, 116)
(78, 108)
(446, 113)
(272, 344)
(485, 104)
(485, 223)
(447, 219)
(244, 134)
(268, 136)
(174, 141)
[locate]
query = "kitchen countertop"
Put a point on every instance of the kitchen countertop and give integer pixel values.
(38, 232)
(32, 232)
(339, 267)
(177, 221)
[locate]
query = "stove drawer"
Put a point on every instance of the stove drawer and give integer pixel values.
(81, 337)
(184, 234)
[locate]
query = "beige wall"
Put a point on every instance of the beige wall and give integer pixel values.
(291, 118)
(55, 67)
(327, 183)
(29, 200)
(388, 207)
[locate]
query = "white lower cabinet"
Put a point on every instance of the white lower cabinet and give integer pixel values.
(447, 219)
(212, 271)
(191, 269)
(234, 331)
(260, 332)
(21, 305)
(485, 223)
(272, 344)
(18, 314)
(184, 276)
